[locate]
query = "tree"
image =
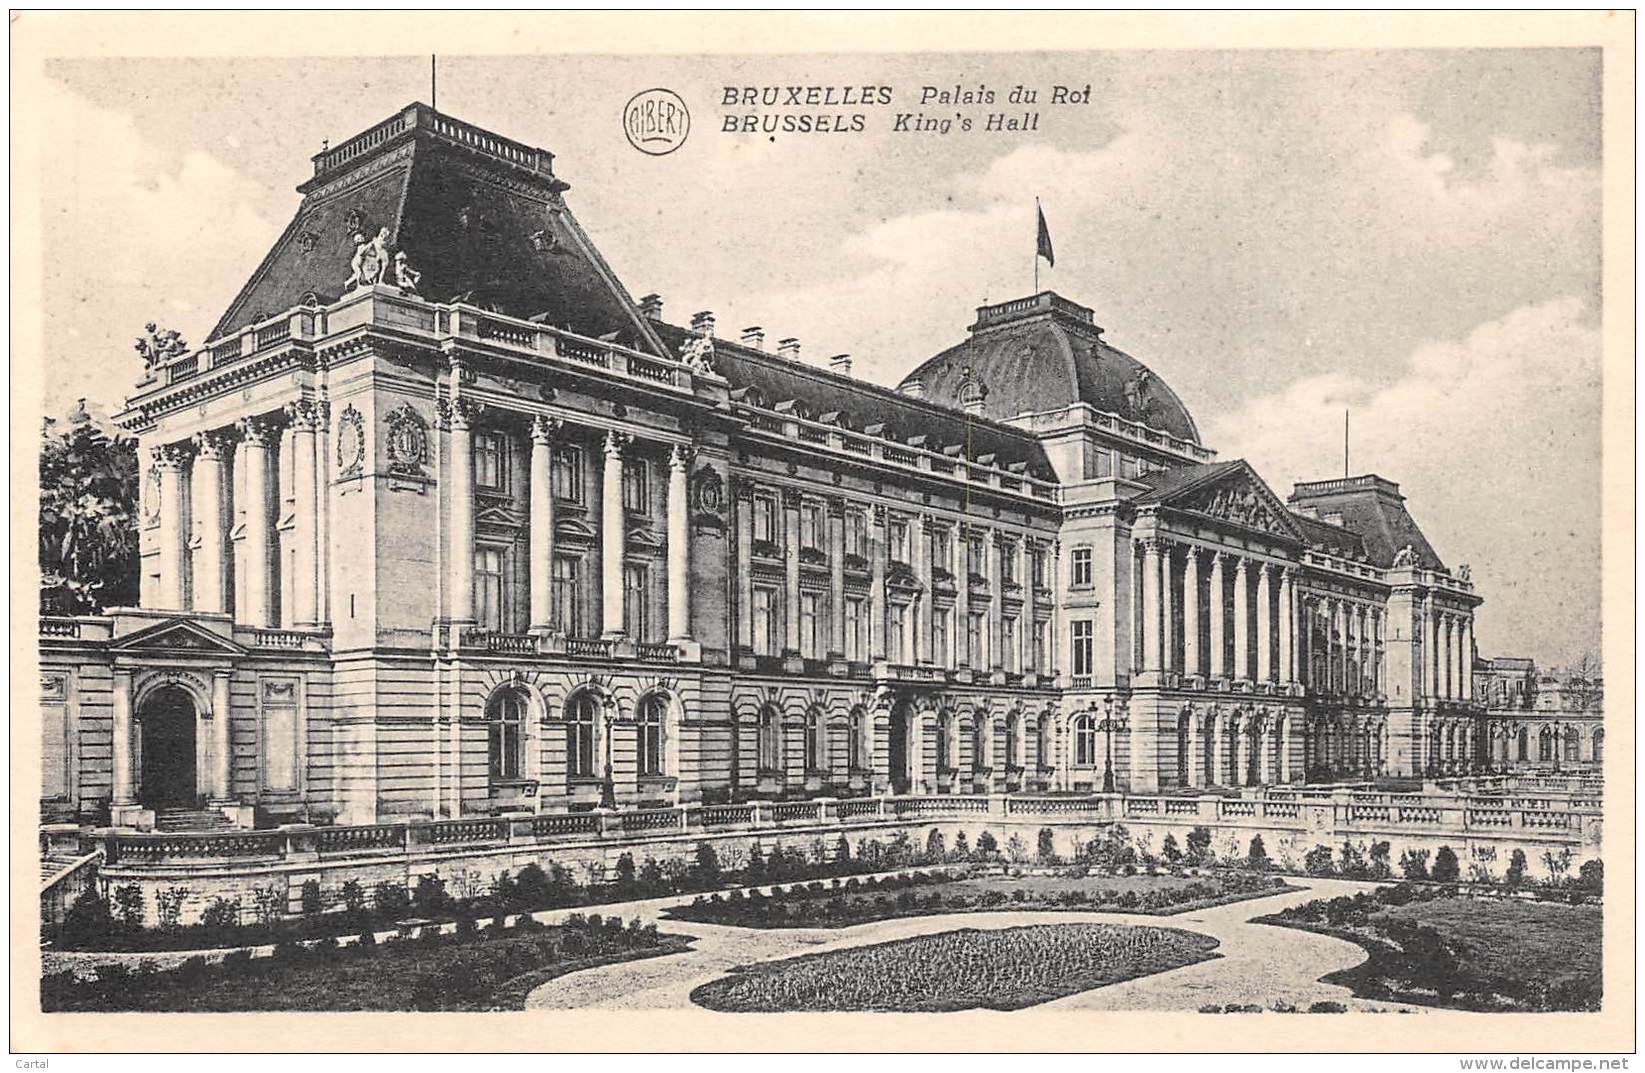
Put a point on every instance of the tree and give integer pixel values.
(1557, 864)
(1516, 870)
(936, 847)
(1318, 861)
(1380, 866)
(1047, 848)
(1257, 856)
(1583, 684)
(1446, 868)
(1352, 865)
(88, 516)
(706, 868)
(1199, 844)
(962, 847)
(1413, 864)
(756, 862)
(987, 847)
(1015, 848)
(842, 850)
(1170, 850)
(1591, 876)
(625, 871)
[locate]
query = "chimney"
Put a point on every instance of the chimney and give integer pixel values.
(840, 363)
(913, 387)
(754, 336)
(703, 323)
(789, 348)
(652, 306)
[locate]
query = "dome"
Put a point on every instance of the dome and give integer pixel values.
(1046, 353)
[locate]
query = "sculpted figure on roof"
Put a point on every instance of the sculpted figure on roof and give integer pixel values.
(370, 260)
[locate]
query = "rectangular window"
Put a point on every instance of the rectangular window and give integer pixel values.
(856, 633)
(1081, 564)
(637, 487)
(1040, 665)
(896, 633)
(1105, 464)
(488, 587)
(1082, 647)
(568, 474)
(1129, 467)
(765, 622)
(565, 590)
(976, 555)
(1008, 642)
(1008, 565)
(490, 461)
(636, 592)
(899, 541)
(765, 519)
(813, 628)
(939, 637)
(973, 639)
(813, 531)
(942, 551)
(856, 533)
(1037, 564)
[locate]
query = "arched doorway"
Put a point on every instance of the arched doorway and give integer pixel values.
(166, 748)
(902, 715)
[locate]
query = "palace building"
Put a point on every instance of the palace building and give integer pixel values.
(440, 522)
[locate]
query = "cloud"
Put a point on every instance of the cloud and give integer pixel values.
(1494, 441)
(133, 233)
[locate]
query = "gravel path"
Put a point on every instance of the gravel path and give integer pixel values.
(1260, 964)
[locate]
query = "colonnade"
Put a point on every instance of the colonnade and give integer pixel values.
(1352, 658)
(202, 482)
(1448, 666)
(1264, 638)
(1238, 748)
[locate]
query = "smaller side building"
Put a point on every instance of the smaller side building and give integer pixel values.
(1542, 719)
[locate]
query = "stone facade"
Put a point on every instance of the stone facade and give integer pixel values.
(486, 535)
(1541, 720)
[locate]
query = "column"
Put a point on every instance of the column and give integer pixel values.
(919, 533)
(1430, 655)
(1265, 624)
(304, 563)
(876, 584)
(1342, 645)
(1287, 628)
(1285, 757)
(1242, 621)
(612, 536)
(1351, 648)
(744, 497)
(1167, 624)
(1190, 612)
(992, 657)
(679, 546)
(836, 578)
(210, 566)
(1468, 659)
(960, 630)
(1150, 605)
(252, 605)
(791, 501)
(320, 518)
(222, 759)
(170, 459)
(122, 731)
(543, 431)
(1214, 634)
(1215, 776)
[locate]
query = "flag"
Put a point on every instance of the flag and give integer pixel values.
(1042, 240)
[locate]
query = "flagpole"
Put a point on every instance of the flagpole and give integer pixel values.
(1036, 245)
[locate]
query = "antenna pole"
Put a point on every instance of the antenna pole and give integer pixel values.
(1345, 441)
(434, 82)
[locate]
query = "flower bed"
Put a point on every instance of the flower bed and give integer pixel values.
(1009, 969)
(467, 971)
(843, 903)
(1438, 947)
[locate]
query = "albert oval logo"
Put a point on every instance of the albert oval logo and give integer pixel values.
(656, 121)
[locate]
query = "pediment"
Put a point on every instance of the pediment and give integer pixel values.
(179, 636)
(573, 531)
(1239, 498)
(499, 518)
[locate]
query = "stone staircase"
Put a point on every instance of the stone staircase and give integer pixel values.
(183, 819)
(53, 863)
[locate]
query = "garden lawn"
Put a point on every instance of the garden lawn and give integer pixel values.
(1008, 969)
(472, 973)
(1515, 939)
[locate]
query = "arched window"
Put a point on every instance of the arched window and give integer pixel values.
(854, 743)
(1043, 742)
(945, 741)
(1573, 744)
(1013, 740)
(1545, 746)
(1524, 740)
(981, 730)
(582, 713)
(1085, 741)
(816, 740)
(1599, 746)
(505, 718)
(771, 739)
(649, 724)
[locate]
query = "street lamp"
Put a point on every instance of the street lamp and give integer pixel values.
(1108, 724)
(608, 785)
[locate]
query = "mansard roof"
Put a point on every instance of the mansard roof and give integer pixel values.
(860, 405)
(481, 217)
(1371, 507)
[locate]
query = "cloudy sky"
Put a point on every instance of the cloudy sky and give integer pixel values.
(1280, 235)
